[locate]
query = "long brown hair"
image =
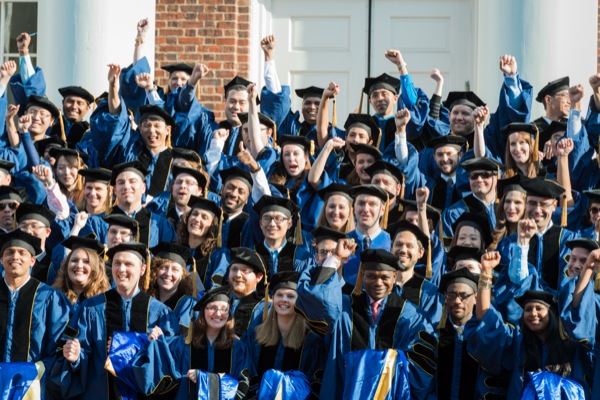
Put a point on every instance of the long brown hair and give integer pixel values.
(211, 241)
(108, 202)
(98, 282)
(512, 169)
(197, 334)
(501, 229)
(76, 196)
(280, 175)
(267, 333)
(185, 285)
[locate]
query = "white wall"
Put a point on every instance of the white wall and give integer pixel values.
(78, 38)
(550, 38)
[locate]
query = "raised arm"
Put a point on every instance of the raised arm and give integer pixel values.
(480, 115)
(316, 170)
(254, 132)
(591, 265)
(330, 91)
(421, 196)
(436, 98)
(142, 28)
(267, 45)
(401, 119)
(11, 129)
(114, 101)
(489, 261)
(563, 175)
(595, 84)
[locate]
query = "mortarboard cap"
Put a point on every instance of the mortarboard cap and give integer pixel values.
(6, 166)
(370, 190)
(280, 204)
(461, 275)
(199, 176)
(536, 296)
(53, 141)
(509, 184)
(236, 173)
(57, 152)
(552, 88)
(137, 248)
(459, 253)
(481, 163)
(584, 243)
(186, 154)
(151, 111)
(19, 238)
(447, 140)
(205, 204)
(133, 166)
(542, 187)
(16, 193)
(96, 174)
(124, 221)
(554, 127)
(262, 118)
(170, 68)
(323, 233)
(335, 189)
(311, 91)
(592, 195)
(519, 127)
(284, 280)
(34, 211)
(301, 141)
(361, 148)
(85, 242)
(44, 103)
(236, 81)
(476, 220)
(366, 122)
(379, 260)
(215, 294)
(382, 167)
(468, 99)
(402, 226)
(77, 91)
(249, 257)
(383, 81)
(433, 213)
(169, 251)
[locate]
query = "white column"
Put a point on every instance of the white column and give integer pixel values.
(550, 38)
(78, 38)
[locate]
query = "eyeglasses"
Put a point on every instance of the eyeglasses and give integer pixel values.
(451, 296)
(33, 227)
(484, 175)
(12, 205)
(542, 204)
(594, 210)
(214, 309)
(41, 114)
(278, 219)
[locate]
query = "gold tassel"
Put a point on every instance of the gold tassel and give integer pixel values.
(312, 148)
(563, 215)
(62, 126)
(298, 239)
(443, 318)
(266, 307)
(219, 235)
(384, 218)
(536, 143)
(428, 269)
(334, 113)
(360, 102)
(195, 276)
(358, 287)
(402, 192)
(146, 283)
(378, 138)
(597, 283)
(274, 136)
(441, 232)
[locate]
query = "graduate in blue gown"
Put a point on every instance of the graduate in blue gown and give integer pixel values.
(394, 323)
(172, 283)
(34, 315)
(82, 274)
(209, 346)
(284, 341)
(79, 370)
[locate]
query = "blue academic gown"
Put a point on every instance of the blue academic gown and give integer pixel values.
(381, 241)
(581, 325)
(182, 306)
(466, 204)
(33, 322)
(174, 358)
(308, 359)
(497, 346)
(89, 325)
(424, 295)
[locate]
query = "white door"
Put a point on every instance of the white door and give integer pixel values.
(319, 42)
(324, 40)
(430, 34)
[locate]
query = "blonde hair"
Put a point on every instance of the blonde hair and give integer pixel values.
(98, 281)
(349, 226)
(267, 333)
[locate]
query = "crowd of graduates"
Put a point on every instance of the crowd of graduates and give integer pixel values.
(432, 250)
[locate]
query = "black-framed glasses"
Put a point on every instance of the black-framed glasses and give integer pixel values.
(462, 296)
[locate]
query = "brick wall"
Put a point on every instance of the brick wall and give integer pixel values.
(213, 32)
